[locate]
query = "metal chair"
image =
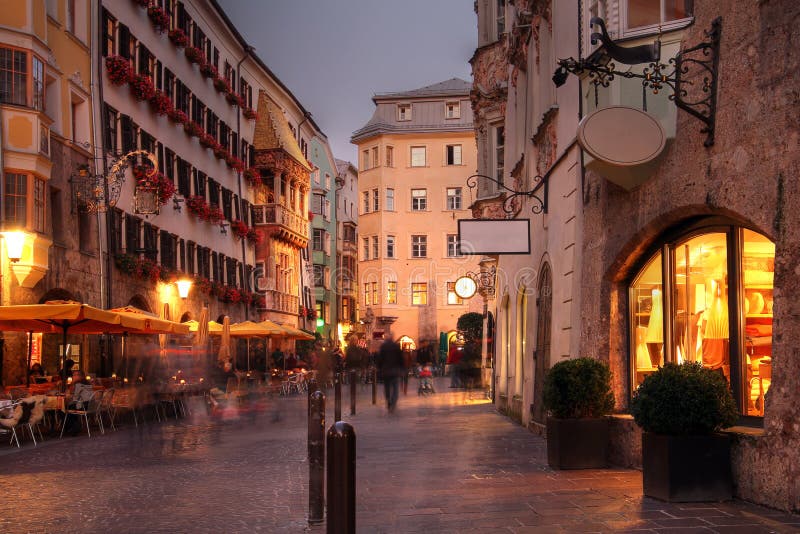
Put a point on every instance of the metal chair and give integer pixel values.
(90, 408)
(20, 416)
(106, 407)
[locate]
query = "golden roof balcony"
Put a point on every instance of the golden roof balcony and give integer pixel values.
(282, 223)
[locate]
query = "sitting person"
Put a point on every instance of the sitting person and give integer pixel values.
(82, 395)
(219, 381)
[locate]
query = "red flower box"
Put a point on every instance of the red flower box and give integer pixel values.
(208, 141)
(252, 176)
(178, 37)
(159, 17)
(250, 114)
(177, 116)
(198, 207)
(234, 162)
(192, 128)
(208, 70)
(142, 87)
(166, 189)
(215, 215)
(161, 103)
(195, 55)
(234, 99)
(240, 229)
(222, 85)
(119, 70)
(255, 236)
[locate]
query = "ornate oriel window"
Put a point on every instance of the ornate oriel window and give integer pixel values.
(706, 297)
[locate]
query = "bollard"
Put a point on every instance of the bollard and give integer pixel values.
(312, 387)
(337, 403)
(341, 490)
(374, 385)
(352, 392)
(316, 457)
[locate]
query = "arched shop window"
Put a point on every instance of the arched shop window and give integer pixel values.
(707, 297)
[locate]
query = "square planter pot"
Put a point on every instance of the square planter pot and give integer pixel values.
(687, 468)
(577, 443)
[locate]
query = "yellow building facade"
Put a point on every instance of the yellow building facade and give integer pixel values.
(415, 154)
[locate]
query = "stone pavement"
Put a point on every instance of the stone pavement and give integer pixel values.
(445, 463)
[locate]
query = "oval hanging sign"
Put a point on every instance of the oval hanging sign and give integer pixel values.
(622, 136)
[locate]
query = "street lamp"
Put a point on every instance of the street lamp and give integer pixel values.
(14, 243)
(184, 286)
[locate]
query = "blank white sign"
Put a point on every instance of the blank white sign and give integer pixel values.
(492, 236)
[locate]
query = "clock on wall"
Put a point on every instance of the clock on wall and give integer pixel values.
(465, 287)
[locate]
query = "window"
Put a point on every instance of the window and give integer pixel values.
(317, 242)
(500, 18)
(375, 159)
(319, 275)
(390, 246)
(13, 76)
(419, 246)
(38, 83)
(327, 180)
(375, 248)
(376, 200)
(696, 327)
(499, 152)
(70, 22)
(452, 298)
(452, 110)
(452, 246)
(389, 199)
(365, 194)
(109, 34)
(111, 129)
(403, 112)
(453, 198)
(419, 294)
(374, 292)
(39, 188)
(169, 244)
(366, 293)
(453, 156)
(652, 13)
(389, 156)
(365, 157)
(317, 203)
(417, 156)
(391, 292)
(16, 199)
(365, 249)
(419, 199)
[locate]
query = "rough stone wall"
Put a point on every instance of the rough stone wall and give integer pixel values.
(750, 174)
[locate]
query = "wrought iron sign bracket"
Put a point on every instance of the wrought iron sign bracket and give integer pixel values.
(540, 204)
(696, 65)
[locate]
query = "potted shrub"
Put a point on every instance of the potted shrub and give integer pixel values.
(577, 395)
(681, 409)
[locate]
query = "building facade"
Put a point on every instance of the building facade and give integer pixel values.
(416, 151)
(674, 259)
(163, 149)
(323, 238)
(346, 275)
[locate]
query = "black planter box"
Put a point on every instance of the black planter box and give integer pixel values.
(687, 468)
(577, 443)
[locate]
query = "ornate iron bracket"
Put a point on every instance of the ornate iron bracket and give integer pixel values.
(697, 65)
(539, 207)
(98, 192)
(485, 280)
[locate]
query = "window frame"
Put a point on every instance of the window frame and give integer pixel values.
(419, 246)
(411, 162)
(419, 293)
(402, 116)
(456, 106)
(419, 202)
(389, 199)
(454, 201)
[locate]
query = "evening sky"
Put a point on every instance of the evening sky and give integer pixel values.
(334, 55)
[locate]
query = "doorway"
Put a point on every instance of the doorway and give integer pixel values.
(541, 356)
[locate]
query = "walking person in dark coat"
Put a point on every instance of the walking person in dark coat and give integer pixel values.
(391, 365)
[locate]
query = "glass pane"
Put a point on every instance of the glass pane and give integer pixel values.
(643, 13)
(758, 268)
(700, 299)
(676, 9)
(647, 309)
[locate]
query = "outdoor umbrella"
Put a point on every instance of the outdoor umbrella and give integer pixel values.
(248, 329)
(225, 342)
(65, 317)
(295, 333)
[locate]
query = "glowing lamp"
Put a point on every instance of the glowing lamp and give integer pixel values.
(184, 286)
(14, 244)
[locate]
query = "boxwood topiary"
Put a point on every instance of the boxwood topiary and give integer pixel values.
(685, 399)
(578, 388)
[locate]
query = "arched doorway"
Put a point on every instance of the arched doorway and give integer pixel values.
(138, 301)
(541, 356)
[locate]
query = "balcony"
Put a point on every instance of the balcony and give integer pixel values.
(282, 223)
(350, 247)
(277, 301)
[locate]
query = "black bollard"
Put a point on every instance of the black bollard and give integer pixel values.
(337, 403)
(341, 488)
(374, 385)
(312, 387)
(316, 457)
(352, 392)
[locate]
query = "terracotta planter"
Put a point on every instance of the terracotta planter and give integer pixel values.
(577, 443)
(687, 468)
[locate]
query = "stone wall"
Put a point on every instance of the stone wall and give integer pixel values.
(749, 175)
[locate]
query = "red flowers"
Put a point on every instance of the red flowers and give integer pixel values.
(159, 17)
(192, 128)
(119, 70)
(177, 116)
(161, 103)
(198, 207)
(208, 70)
(234, 99)
(252, 176)
(254, 236)
(249, 114)
(178, 37)
(142, 87)
(222, 85)
(195, 55)
(208, 141)
(239, 229)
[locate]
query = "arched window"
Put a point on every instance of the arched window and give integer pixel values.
(706, 297)
(541, 356)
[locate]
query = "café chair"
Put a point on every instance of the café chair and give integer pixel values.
(20, 417)
(106, 407)
(90, 408)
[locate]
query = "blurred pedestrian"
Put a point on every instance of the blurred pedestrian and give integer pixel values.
(391, 365)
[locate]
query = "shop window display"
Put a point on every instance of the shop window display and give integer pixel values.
(686, 306)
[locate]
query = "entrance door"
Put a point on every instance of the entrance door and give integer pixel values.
(541, 356)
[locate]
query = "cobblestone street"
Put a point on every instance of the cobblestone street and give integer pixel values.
(445, 463)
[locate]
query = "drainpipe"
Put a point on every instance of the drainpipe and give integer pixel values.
(247, 51)
(105, 268)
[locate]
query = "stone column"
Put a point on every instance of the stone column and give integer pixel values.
(276, 186)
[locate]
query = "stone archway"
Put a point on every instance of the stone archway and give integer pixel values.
(58, 293)
(138, 301)
(187, 316)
